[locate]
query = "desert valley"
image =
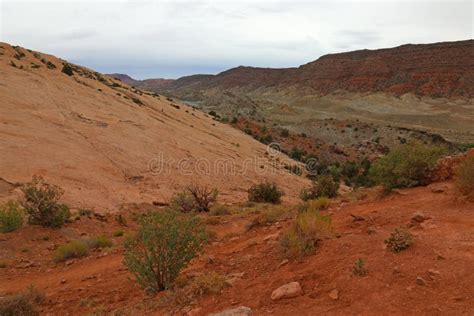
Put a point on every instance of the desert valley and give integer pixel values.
(342, 186)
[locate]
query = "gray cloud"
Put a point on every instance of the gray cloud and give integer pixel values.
(173, 38)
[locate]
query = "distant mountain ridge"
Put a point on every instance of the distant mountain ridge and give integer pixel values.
(443, 69)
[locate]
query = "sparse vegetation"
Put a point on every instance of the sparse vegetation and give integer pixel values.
(208, 283)
(270, 215)
(265, 192)
(219, 210)
(465, 177)
(314, 205)
(22, 304)
(306, 232)
(324, 186)
(295, 169)
(67, 69)
(399, 239)
(41, 203)
(118, 233)
(203, 196)
(406, 166)
(163, 245)
(11, 217)
(359, 268)
(80, 248)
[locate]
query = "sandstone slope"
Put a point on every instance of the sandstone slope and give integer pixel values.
(108, 144)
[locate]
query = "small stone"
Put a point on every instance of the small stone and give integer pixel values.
(420, 281)
(433, 272)
(419, 217)
(439, 256)
(63, 281)
(289, 290)
(334, 294)
(271, 237)
(238, 311)
(285, 261)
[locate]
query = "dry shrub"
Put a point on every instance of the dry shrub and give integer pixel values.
(399, 239)
(22, 304)
(265, 192)
(306, 232)
(80, 248)
(11, 217)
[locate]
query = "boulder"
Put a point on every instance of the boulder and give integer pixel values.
(289, 290)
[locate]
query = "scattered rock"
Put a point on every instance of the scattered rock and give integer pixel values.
(289, 290)
(420, 281)
(100, 217)
(438, 187)
(334, 294)
(419, 217)
(238, 311)
(439, 256)
(433, 273)
(285, 261)
(63, 281)
(357, 218)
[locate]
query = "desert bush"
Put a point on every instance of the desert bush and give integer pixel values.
(317, 204)
(359, 268)
(208, 283)
(323, 186)
(73, 249)
(465, 177)
(271, 215)
(203, 196)
(41, 204)
(399, 239)
(163, 245)
(284, 133)
(67, 69)
(85, 212)
(219, 210)
(22, 304)
(306, 232)
(80, 248)
(265, 192)
(11, 217)
(406, 166)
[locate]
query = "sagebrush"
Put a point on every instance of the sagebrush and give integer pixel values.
(400, 239)
(11, 217)
(465, 177)
(265, 192)
(406, 166)
(162, 247)
(41, 203)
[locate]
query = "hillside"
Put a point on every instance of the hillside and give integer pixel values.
(107, 144)
(427, 87)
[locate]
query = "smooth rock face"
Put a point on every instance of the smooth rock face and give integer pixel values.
(289, 290)
(238, 311)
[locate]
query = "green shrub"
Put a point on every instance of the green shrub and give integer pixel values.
(41, 204)
(183, 202)
(11, 217)
(306, 232)
(265, 192)
(219, 210)
(73, 249)
(465, 177)
(22, 304)
(406, 166)
(163, 245)
(98, 242)
(80, 248)
(399, 239)
(359, 268)
(67, 69)
(323, 186)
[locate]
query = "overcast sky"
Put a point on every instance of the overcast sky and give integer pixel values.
(150, 39)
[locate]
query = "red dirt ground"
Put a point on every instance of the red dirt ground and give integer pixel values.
(445, 243)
